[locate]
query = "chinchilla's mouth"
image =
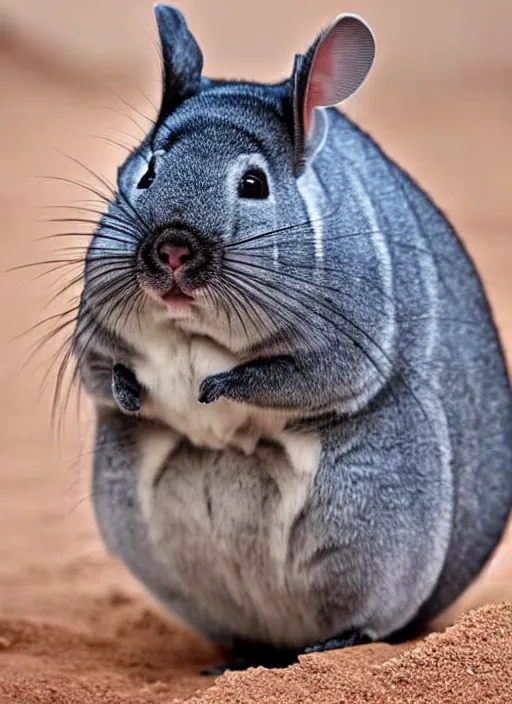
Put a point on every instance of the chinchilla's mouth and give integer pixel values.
(176, 297)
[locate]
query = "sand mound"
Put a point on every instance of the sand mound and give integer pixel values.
(150, 661)
(469, 663)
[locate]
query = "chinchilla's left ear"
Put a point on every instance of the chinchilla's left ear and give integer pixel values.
(332, 69)
(182, 58)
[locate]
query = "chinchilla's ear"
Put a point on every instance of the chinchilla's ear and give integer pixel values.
(182, 58)
(332, 69)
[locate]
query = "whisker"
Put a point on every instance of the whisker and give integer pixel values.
(114, 142)
(279, 311)
(325, 286)
(78, 184)
(132, 120)
(130, 107)
(74, 208)
(243, 301)
(100, 179)
(270, 233)
(77, 347)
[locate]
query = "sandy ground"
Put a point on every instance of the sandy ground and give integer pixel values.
(74, 626)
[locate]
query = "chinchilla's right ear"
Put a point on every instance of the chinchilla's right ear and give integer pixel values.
(332, 69)
(182, 59)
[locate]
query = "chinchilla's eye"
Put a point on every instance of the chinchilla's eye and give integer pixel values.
(253, 184)
(150, 174)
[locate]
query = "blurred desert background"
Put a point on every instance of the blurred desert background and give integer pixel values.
(74, 75)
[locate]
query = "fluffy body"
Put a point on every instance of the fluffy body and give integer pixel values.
(353, 469)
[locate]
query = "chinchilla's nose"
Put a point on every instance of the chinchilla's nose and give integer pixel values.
(174, 256)
(169, 251)
(177, 254)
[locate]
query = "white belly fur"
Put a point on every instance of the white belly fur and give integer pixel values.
(173, 368)
(175, 363)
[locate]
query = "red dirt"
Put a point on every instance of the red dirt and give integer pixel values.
(149, 661)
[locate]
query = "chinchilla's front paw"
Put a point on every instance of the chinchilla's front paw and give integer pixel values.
(126, 390)
(214, 386)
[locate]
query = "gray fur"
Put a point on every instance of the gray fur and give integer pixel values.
(353, 465)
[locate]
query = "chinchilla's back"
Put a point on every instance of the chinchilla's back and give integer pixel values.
(448, 345)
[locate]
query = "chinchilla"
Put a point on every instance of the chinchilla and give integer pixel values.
(304, 419)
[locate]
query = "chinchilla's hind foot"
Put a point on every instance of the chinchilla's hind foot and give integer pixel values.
(344, 640)
(246, 654)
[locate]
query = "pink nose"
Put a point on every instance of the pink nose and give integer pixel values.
(174, 257)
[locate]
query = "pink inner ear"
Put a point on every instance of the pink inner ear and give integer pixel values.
(341, 63)
(320, 79)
